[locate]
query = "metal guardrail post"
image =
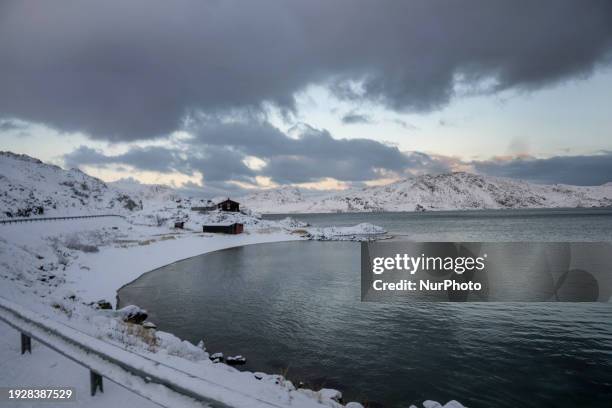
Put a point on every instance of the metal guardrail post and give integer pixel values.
(26, 344)
(105, 360)
(95, 381)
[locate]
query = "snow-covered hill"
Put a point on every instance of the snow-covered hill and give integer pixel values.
(279, 196)
(31, 187)
(145, 192)
(451, 191)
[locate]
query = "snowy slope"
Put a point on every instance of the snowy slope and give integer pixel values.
(31, 187)
(451, 191)
(145, 192)
(283, 196)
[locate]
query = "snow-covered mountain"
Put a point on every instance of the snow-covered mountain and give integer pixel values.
(449, 191)
(31, 187)
(284, 196)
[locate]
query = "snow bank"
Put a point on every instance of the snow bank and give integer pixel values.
(292, 223)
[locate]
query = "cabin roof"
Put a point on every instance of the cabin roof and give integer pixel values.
(220, 200)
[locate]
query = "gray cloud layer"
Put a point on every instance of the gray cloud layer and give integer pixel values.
(315, 154)
(589, 170)
(132, 70)
(218, 150)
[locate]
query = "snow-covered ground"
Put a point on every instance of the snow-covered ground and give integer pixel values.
(58, 268)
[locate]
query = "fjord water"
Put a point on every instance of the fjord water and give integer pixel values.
(593, 224)
(294, 308)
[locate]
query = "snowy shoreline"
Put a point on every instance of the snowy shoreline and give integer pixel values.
(63, 268)
(123, 252)
(281, 238)
(80, 284)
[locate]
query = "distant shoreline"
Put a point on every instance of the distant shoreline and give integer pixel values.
(561, 209)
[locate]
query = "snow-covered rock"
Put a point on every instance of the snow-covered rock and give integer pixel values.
(292, 223)
(132, 314)
(330, 393)
(217, 356)
(360, 232)
(149, 325)
(235, 360)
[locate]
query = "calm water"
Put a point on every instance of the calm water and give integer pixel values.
(481, 225)
(294, 308)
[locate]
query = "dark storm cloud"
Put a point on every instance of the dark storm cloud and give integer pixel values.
(218, 150)
(85, 155)
(265, 141)
(150, 158)
(588, 170)
(213, 189)
(216, 162)
(132, 70)
(220, 164)
(302, 169)
(312, 155)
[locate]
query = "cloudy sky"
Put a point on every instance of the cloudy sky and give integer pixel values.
(231, 95)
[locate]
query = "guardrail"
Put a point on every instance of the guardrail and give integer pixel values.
(16, 220)
(151, 379)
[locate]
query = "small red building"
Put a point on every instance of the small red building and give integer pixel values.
(229, 228)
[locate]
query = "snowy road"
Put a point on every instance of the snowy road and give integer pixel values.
(45, 367)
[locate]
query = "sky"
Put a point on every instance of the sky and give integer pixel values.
(231, 96)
